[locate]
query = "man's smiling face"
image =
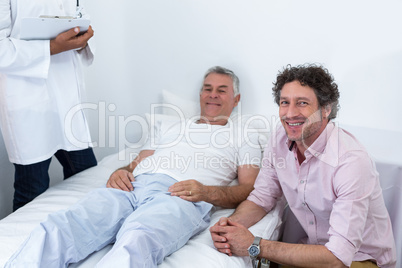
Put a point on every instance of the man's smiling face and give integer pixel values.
(217, 98)
(300, 113)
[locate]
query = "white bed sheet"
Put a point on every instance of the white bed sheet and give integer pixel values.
(198, 252)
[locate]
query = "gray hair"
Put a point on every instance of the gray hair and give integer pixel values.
(225, 71)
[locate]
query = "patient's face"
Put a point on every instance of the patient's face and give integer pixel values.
(217, 99)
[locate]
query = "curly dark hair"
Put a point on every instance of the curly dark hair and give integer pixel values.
(314, 76)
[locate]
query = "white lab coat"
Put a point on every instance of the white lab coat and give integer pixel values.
(38, 90)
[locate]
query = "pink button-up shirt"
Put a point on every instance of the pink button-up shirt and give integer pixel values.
(335, 194)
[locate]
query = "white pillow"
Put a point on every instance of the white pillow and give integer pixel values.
(179, 106)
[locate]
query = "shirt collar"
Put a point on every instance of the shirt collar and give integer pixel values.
(318, 146)
(317, 149)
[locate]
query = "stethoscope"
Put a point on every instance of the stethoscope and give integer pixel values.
(78, 13)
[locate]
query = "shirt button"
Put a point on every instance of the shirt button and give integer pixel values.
(311, 222)
(302, 181)
(304, 203)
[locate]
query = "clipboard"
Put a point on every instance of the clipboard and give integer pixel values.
(49, 28)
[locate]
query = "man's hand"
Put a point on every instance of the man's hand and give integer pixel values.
(190, 190)
(231, 237)
(69, 40)
(121, 179)
(220, 242)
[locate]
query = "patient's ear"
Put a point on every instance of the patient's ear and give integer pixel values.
(237, 99)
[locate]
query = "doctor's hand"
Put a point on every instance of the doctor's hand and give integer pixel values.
(71, 39)
(121, 179)
(190, 190)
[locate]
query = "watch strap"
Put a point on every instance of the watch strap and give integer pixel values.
(264, 263)
(257, 240)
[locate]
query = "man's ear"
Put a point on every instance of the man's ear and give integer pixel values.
(237, 99)
(326, 110)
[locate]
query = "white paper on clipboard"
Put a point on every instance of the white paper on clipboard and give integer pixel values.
(49, 28)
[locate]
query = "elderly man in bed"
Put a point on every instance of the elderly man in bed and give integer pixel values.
(150, 210)
(326, 176)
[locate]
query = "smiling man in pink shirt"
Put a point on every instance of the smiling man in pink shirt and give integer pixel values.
(328, 179)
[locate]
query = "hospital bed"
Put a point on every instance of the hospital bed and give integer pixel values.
(198, 252)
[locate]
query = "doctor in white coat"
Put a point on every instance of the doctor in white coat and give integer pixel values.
(40, 82)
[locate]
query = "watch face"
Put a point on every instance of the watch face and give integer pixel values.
(254, 250)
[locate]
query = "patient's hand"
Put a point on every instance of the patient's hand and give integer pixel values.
(121, 179)
(190, 190)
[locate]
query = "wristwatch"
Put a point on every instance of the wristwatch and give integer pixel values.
(254, 250)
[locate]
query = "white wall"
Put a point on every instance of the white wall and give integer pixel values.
(146, 46)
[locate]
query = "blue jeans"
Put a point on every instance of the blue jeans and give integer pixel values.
(146, 225)
(32, 180)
